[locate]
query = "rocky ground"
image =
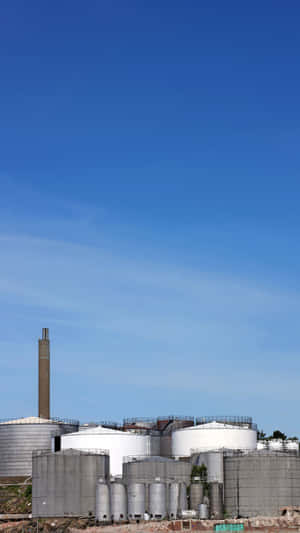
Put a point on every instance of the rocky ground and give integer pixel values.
(15, 496)
(73, 525)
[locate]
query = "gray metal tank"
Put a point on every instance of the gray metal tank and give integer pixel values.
(203, 511)
(214, 463)
(136, 500)
(260, 483)
(173, 500)
(216, 501)
(118, 498)
(196, 494)
(157, 501)
(103, 508)
(64, 483)
(19, 438)
(148, 469)
(183, 505)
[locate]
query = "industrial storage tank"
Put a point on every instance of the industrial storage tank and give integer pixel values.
(148, 469)
(103, 509)
(183, 503)
(289, 445)
(216, 501)
(64, 483)
(136, 501)
(20, 437)
(173, 500)
(214, 435)
(118, 498)
(118, 444)
(261, 483)
(196, 494)
(214, 464)
(157, 501)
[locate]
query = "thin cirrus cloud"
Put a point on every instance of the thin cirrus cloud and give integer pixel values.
(146, 324)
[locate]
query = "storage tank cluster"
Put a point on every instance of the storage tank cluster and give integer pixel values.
(153, 487)
(137, 501)
(289, 445)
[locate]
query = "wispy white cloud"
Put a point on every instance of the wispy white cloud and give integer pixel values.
(149, 323)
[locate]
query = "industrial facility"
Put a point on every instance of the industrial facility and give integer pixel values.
(158, 468)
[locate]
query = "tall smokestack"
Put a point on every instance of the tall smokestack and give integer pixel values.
(44, 375)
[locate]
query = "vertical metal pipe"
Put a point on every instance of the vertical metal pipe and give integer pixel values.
(44, 375)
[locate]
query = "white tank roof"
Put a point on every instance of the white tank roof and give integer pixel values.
(99, 430)
(210, 425)
(30, 420)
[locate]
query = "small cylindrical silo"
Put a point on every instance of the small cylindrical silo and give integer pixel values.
(157, 503)
(173, 503)
(136, 500)
(182, 498)
(103, 512)
(216, 500)
(203, 511)
(118, 498)
(196, 494)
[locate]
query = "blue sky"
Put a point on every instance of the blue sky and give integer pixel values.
(149, 208)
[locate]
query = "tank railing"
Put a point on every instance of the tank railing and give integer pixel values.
(259, 453)
(140, 419)
(174, 418)
(103, 423)
(38, 420)
(246, 427)
(68, 421)
(78, 451)
(157, 419)
(233, 420)
(225, 451)
(136, 457)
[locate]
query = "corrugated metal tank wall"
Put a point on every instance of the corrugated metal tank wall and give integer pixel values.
(19, 440)
(149, 469)
(64, 483)
(261, 483)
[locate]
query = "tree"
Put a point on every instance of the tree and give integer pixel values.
(261, 435)
(278, 435)
(200, 471)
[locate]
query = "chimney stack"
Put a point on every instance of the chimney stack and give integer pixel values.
(44, 375)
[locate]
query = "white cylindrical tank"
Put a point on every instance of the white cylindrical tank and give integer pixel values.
(119, 444)
(262, 444)
(292, 445)
(276, 444)
(279, 445)
(212, 436)
(203, 511)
